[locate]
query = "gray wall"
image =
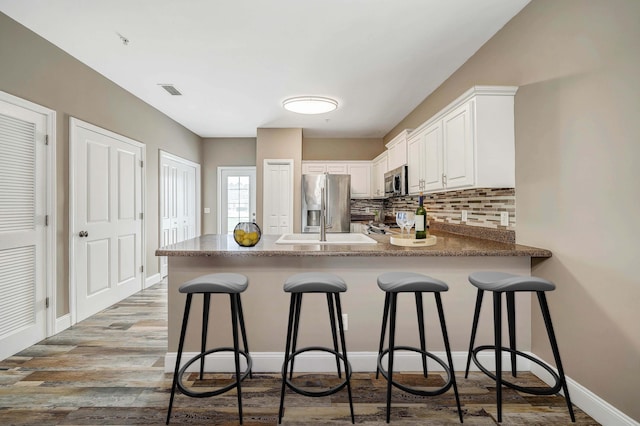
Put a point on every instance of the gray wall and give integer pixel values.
(34, 69)
(577, 63)
(221, 152)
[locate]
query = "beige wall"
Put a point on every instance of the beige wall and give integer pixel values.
(577, 179)
(281, 144)
(218, 152)
(34, 69)
(341, 149)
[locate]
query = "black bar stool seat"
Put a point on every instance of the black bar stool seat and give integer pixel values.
(223, 283)
(393, 283)
(509, 284)
(331, 285)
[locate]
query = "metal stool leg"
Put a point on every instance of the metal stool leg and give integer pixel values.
(497, 330)
(183, 331)
(445, 337)
(295, 329)
(236, 350)
(542, 298)
(392, 333)
(474, 328)
(243, 331)
(511, 316)
(332, 321)
(292, 306)
(423, 344)
(205, 325)
(344, 354)
(385, 316)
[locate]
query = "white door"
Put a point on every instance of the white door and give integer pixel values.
(236, 197)
(277, 198)
(22, 226)
(179, 202)
(106, 210)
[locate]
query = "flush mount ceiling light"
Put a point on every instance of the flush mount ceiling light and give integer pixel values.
(310, 104)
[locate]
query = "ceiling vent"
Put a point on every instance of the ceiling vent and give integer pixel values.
(171, 89)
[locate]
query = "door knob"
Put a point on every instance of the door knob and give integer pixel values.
(83, 234)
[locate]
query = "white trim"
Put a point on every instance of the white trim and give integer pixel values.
(50, 205)
(596, 407)
(152, 280)
(271, 362)
(77, 123)
(62, 323)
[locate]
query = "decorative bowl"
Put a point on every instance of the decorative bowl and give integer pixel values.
(247, 234)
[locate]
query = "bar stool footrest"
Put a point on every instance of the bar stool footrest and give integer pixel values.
(551, 390)
(411, 390)
(326, 392)
(215, 392)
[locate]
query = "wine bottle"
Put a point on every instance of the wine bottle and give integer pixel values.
(421, 220)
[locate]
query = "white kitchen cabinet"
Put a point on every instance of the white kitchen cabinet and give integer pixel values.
(379, 167)
(397, 150)
(360, 172)
(313, 168)
(470, 143)
(360, 179)
(424, 151)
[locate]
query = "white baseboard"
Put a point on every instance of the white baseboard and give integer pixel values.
(312, 362)
(153, 279)
(596, 407)
(316, 362)
(62, 323)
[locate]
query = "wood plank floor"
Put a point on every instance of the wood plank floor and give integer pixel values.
(108, 370)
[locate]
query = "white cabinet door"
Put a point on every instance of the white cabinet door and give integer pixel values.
(360, 179)
(433, 160)
(458, 147)
(378, 169)
(313, 168)
(397, 150)
(337, 168)
(416, 162)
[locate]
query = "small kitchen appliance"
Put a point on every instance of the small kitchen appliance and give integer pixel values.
(395, 182)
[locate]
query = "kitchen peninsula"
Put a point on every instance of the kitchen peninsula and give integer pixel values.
(267, 265)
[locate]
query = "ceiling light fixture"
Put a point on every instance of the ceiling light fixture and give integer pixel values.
(310, 104)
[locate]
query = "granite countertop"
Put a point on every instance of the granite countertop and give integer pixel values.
(447, 245)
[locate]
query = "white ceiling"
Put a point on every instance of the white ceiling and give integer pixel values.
(235, 61)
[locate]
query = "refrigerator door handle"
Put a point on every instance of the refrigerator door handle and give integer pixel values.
(328, 207)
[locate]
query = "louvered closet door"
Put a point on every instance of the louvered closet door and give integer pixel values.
(22, 232)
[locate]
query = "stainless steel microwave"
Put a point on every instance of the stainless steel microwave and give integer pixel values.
(395, 182)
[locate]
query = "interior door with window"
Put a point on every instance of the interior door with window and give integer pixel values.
(237, 197)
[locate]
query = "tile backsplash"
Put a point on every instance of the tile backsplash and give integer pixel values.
(483, 206)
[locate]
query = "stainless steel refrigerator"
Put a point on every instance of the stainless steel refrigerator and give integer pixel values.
(338, 202)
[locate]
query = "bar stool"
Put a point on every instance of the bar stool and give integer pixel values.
(331, 285)
(226, 283)
(498, 283)
(393, 283)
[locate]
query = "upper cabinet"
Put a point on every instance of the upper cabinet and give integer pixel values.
(397, 150)
(379, 167)
(360, 172)
(470, 143)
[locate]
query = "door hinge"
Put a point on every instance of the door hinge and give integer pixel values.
(141, 268)
(46, 303)
(141, 163)
(46, 220)
(46, 139)
(141, 216)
